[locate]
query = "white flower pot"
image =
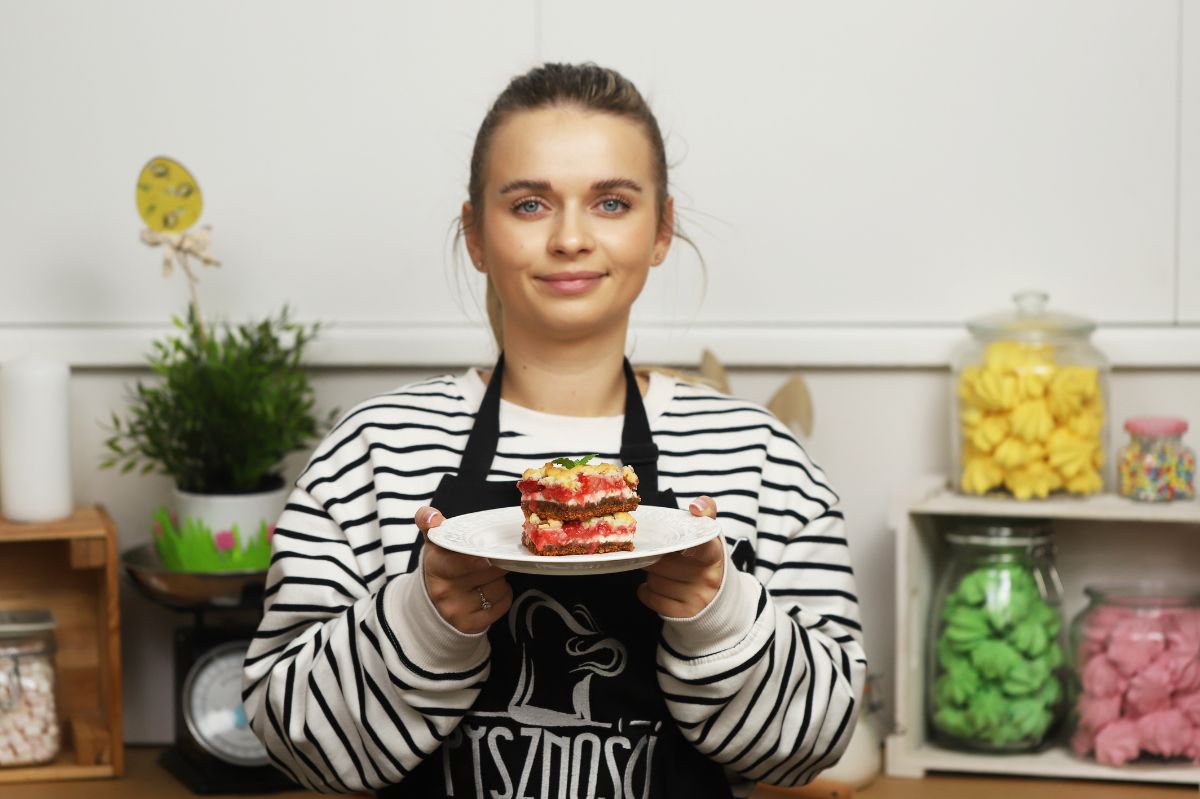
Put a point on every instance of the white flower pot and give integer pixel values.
(220, 512)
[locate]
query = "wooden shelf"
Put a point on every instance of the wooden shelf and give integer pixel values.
(89, 521)
(70, 567)
(918, 520)
(1102, 507)
(1057, 762)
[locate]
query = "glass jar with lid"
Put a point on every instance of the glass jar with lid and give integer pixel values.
(1135, 682)
(994, 661)
(1155, 466)
(29, 730)
(1030, 394)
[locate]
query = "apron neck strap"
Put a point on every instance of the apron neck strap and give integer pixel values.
(637, 447)
(485, 435)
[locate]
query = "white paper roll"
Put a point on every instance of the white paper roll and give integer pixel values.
(35, 447)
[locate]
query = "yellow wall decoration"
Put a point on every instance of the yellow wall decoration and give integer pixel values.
(168, 197)
(169, 202)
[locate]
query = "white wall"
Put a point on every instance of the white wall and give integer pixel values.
(861, 178)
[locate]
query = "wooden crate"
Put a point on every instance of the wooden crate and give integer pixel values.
(1092, 546)
(70, 567)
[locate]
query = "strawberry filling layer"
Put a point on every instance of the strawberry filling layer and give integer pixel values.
(593, 532)
(592, 489)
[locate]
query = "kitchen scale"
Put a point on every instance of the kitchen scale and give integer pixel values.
(214, 751)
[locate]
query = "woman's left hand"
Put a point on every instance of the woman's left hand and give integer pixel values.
(681, 584)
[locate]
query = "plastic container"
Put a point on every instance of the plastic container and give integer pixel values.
(1155, 466)
(29, 730)
(995, 678)
(1031, 401)
(1135, 687)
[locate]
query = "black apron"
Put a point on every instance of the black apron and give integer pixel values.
(578, 714)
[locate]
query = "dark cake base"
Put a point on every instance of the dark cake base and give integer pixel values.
(578, 513)
(577, 549)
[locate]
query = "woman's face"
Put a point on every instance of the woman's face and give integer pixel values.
(569, 224)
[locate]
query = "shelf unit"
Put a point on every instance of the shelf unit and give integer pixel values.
(70, 567)
(917, 521)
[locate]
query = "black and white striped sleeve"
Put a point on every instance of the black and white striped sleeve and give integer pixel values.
(352, 678)
(767, 680)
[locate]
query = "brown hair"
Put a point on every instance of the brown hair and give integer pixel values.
(585, 86)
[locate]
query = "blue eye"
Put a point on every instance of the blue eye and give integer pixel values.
(613, 205)
(530, 206)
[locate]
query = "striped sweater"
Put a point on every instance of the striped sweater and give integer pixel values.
(353, 678)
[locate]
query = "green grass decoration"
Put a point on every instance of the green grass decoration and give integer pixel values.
(191, 546)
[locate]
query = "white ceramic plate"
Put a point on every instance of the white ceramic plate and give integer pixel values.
(496, 535)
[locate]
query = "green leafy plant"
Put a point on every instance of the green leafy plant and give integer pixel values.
(567, 463)
(229, 406)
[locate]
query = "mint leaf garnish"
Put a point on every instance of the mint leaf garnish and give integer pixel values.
(567, 463)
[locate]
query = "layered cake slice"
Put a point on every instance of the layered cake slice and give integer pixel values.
(570, 490)
(588, 537)
(574, 507)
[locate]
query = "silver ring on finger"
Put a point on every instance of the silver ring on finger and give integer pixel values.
(484, 602)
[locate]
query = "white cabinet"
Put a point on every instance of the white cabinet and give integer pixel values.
(1100, 539)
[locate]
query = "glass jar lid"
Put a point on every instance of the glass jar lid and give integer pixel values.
(1000, 532)
(22, 632)
(1145, 594)
(1156, 426)
(21, 623)
(1031, 322)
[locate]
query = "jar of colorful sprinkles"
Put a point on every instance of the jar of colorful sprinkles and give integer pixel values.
(1155, 466)
(995, 674)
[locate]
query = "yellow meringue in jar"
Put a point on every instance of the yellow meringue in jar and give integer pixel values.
(1028, 425)
(981, 474)
(1032, 420)
(1035, 479)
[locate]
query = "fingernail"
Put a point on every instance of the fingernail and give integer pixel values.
(696, 506)
(427, 516)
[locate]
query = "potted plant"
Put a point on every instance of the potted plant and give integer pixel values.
(228, 406)
(227, 409)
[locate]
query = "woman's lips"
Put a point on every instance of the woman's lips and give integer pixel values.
(571, 282)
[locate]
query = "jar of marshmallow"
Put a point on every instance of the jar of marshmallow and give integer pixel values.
(29, 731)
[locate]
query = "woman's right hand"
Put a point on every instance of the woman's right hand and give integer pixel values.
(468, 591)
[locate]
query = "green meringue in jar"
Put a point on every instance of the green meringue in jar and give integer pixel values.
(994, 663)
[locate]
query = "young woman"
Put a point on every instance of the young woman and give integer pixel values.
(386, 662)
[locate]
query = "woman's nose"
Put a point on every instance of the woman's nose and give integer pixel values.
(572, 234)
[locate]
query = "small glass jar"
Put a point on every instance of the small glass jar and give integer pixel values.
(1135, 686)
(995, 674)
(1031, 398)
(29, 730)
(1155, 466)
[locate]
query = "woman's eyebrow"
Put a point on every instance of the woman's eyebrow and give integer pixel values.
(617, 183)
(525, 184)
